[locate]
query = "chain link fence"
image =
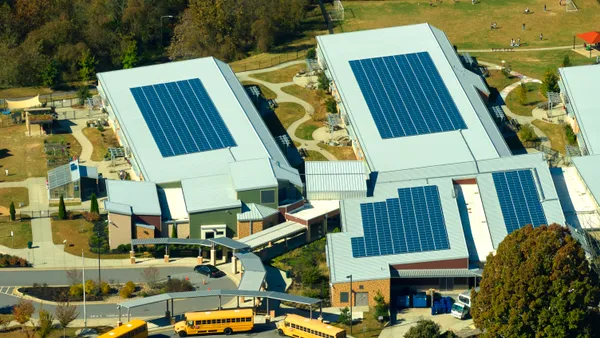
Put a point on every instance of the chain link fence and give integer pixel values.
(26, 215)
(243, 66)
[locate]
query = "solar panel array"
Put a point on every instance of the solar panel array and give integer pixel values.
(414, 222)
(406, 95)
(519, 200)
(182, 118)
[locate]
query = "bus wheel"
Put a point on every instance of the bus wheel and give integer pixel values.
(182, 334)
(227, 331)
(280, 331)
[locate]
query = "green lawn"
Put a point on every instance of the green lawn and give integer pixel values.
(533, 99)
(555, 133)
(77, 233)
(498, 80)
(306, 129)
(314, 97)
(281, 75)
(17, 195)
(534, 64)
(21, 231)
(315, 156)
(342, 153)
(468, 26)
(286, 114)
(266, 92)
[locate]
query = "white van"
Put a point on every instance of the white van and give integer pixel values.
(460, 309)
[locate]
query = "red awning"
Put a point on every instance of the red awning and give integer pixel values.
(590, 37)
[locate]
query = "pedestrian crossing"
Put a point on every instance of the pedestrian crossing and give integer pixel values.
(7, 290)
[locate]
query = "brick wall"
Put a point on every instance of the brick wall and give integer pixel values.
(243, 227)
(183, 230)
(143, 233)
(371, 287)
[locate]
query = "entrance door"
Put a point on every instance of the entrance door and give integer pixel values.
(362, 299)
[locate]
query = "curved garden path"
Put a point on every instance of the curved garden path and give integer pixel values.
(285, 97)
(504, 94)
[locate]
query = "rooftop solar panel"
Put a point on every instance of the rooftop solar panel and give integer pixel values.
(414, 222)
(406, 95)
(519, 199)
(182, 118)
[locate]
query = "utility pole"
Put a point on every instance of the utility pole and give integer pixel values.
(351, 319)
(83, 278)
(161, 25)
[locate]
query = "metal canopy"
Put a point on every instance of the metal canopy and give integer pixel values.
(230, 243)
(212, 293)
(171, 241)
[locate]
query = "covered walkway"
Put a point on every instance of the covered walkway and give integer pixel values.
(273, 234)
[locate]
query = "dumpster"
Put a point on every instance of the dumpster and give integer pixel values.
(403, 302)
(420, 300)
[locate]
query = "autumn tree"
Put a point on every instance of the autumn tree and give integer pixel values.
(549, 83)
(22, 312)
(522, 93)
(65, 314)
(45, 326)
(150, 275)
(538, 284)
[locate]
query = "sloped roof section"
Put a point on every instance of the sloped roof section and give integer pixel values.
(209, 193)
(255, 212)
(139, 195)
(335, 176)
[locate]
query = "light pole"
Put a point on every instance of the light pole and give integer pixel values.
(161, 31)
(350, 303)
(65, 253)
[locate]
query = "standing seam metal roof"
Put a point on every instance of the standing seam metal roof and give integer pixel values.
(255, 212)
(335, 176)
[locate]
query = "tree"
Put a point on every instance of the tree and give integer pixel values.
(311, 54)
(526, 133)
(323, 81)
(45, 323)
(87, 66)
(549, 83)
(538, 284)
(4, 322)
(331, 106)
(381, 307)
(65, 314)
(91, 288)
(425, 328)
(311, 274)
(22, 312)
(74, 276)
(94, 204)
(522, 92)
(151, 275)
(130, 57)
(178, 285)
(174, 231)
(566, 62)
(83, 93)
(13, 212)
(62, 209)
(571, 137)
(344, 317)
(50, 75)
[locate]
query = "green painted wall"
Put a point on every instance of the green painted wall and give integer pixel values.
(253, 196)
(227, 216)
(168, 185)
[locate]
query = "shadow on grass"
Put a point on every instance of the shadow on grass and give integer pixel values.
(5, 153)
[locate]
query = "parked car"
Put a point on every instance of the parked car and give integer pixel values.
(208, 270)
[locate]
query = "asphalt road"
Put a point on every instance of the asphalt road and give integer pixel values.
(259, 331)
(59, 277)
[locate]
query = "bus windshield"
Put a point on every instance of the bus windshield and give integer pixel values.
(464, 299)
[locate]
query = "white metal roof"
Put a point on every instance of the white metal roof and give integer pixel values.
(239, 114)
(255, 212)
(578, 204)
(335, 176)
(314, 209)
(582, 83)
(141, 196)
(481, 139)
(209, 193)
(273, 234)
(252, 174)
(172, 203)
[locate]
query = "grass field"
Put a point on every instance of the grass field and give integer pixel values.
(16, 195)
(534, 64)
(498, 80)
(533, 99)
(468, 26)
(284, 116)
(341, 153)
(77, 233)
(21, 231)
(306, 129)
(555, 133)
(281, 75)
(22, 155)
(24, 92)
(266, 92)
(75, 149)
(315, 156)
(101, 141)
(314, 97)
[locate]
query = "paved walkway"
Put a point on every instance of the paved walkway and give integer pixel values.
(285, 97)
(504, 94)
(516, 49)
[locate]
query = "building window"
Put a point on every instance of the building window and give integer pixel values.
(267, 196)
(343, 297)
(361, 287)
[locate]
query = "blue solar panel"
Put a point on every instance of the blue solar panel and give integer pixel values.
(519, 200)
(182, 118)
(413, 222)
(406, 95)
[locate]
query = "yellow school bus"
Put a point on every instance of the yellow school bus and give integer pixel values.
(134, 329)
(225, 321)
(301, 327)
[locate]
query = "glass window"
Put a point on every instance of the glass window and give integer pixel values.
(214, 321)
(218, 321)
(361, 287)
(190, 323)
(237, 320)
(228, 320)
(267, 196)
(204, 322)
(343, 297)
